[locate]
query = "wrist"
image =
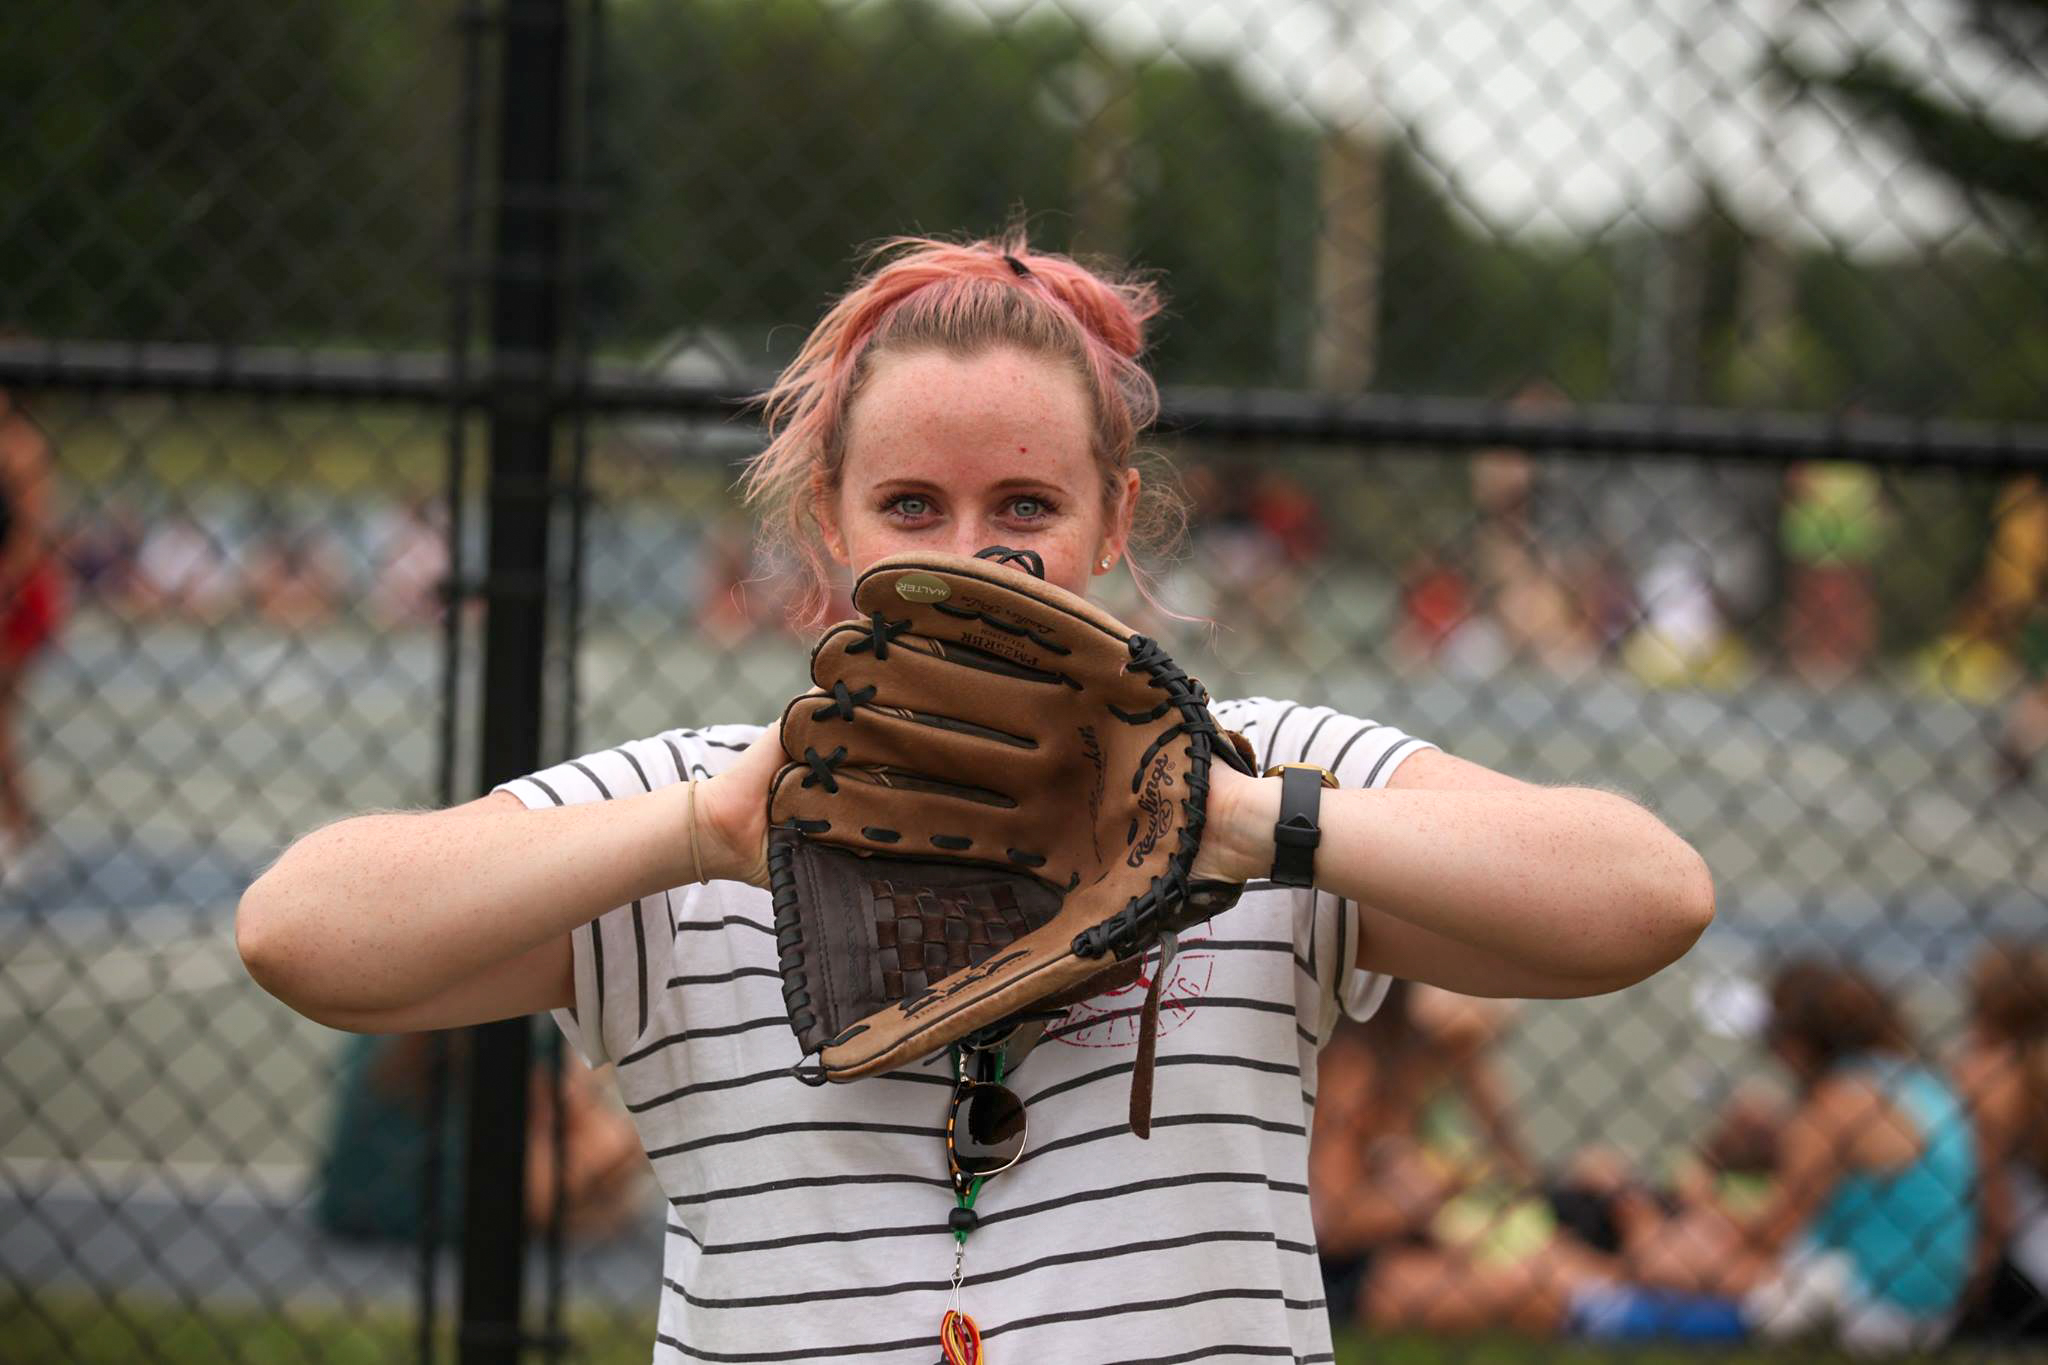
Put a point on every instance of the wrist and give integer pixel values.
(1242, 813)
(728, 839)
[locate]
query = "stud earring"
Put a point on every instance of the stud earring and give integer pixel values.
(1105, 563)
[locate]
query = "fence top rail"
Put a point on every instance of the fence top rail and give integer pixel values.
(1305, 418)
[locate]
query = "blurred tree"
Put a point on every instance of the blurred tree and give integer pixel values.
(1978, 153)
(226, 170)
(1960, 330)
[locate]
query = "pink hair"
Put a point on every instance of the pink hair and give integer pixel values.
(918, 293)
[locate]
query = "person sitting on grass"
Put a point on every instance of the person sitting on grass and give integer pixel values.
(2001, 1071)
(1869, 1226)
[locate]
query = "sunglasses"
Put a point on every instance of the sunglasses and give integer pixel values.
(985, 1126)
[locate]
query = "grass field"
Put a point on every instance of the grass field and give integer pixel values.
(57, 1331)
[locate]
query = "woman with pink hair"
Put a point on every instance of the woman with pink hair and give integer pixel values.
(961, 396)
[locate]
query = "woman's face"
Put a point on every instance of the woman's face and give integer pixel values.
(955, 454)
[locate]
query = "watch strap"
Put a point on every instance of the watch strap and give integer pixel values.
(1296, 834)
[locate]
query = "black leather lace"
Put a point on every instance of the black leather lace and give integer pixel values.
(1164, 904)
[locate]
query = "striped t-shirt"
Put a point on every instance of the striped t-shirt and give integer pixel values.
(810, 1223)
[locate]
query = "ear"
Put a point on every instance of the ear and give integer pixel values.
(1117, 536)
(823, 512)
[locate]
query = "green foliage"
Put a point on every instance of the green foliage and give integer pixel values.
(1965, 144)
(224, 169)
(237, 171)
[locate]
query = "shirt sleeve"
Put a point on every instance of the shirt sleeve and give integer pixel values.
(1362, 753)
(621, 958)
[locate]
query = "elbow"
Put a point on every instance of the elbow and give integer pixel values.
(1677, 906)
(1692, 902)
(1664, 904)
(260, 940)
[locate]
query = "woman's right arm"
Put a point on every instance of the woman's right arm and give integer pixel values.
(398, 921)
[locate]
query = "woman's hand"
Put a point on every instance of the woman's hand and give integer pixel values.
(732, 813)
(1237, 833)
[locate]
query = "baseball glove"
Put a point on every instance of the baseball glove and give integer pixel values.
(992, 803)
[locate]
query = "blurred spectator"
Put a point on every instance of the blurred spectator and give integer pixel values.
(1249, 565)
(1523, 534)
(2001, 628)
(102, 549)
(1683, 637)
(2023, 730)
(1833, 527)
(1436, 599)
(727, 559)
(373, 1178)
(2002, 1074)
(32, 604)
(294, 580)
(1384, 1164)
(411, 576)
(183, 570)
(1868, 1230)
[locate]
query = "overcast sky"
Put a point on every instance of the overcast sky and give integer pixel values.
(1573, 113)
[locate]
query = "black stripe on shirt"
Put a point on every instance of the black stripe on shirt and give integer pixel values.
(1310, 742)
(1273, 741)
(640, 952)
(1361, 733)
(623, 752)
(833, 1353)
(1140, 1306)
(874, 1291)
(1183, 1059)
(810, 1182)
(1212, 1352)
(688, 1035)
(935, 1132)
(781, 1073)
(722, 978)
(1165, 1182)
(1171, 1121)
(602, 790)
(639, 911)
(727, 922)
(1022, 1211)
(1374, 775)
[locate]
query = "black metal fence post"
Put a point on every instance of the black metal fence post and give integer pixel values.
(525, 331)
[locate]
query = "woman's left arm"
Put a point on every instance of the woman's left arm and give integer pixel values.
(1474, 881)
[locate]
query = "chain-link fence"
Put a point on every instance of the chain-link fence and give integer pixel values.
(1636, 395)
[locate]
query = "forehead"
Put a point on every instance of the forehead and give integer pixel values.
(1002, 412)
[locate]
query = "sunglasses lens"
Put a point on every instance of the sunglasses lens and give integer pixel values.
(988, 1129)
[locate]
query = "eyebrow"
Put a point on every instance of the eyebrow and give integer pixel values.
(1001, 486)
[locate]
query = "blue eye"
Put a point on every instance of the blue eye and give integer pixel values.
(909, 505)
(1031, 509)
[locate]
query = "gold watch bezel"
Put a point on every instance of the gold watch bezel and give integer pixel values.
(1328, 778)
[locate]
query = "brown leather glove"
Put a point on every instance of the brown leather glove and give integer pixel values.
(994, 795)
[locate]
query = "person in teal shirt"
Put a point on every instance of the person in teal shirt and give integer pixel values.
(1870, 1226)
(374, 1175)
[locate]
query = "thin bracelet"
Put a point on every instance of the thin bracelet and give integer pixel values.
(696, 852)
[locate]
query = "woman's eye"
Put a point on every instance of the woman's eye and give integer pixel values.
(909, 505)
(1030, 509)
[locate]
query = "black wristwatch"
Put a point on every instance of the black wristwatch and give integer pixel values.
(1296, 833)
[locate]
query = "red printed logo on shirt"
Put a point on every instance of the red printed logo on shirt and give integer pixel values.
(1111, 1019)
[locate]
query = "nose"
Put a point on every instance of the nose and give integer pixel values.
(967, 540)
